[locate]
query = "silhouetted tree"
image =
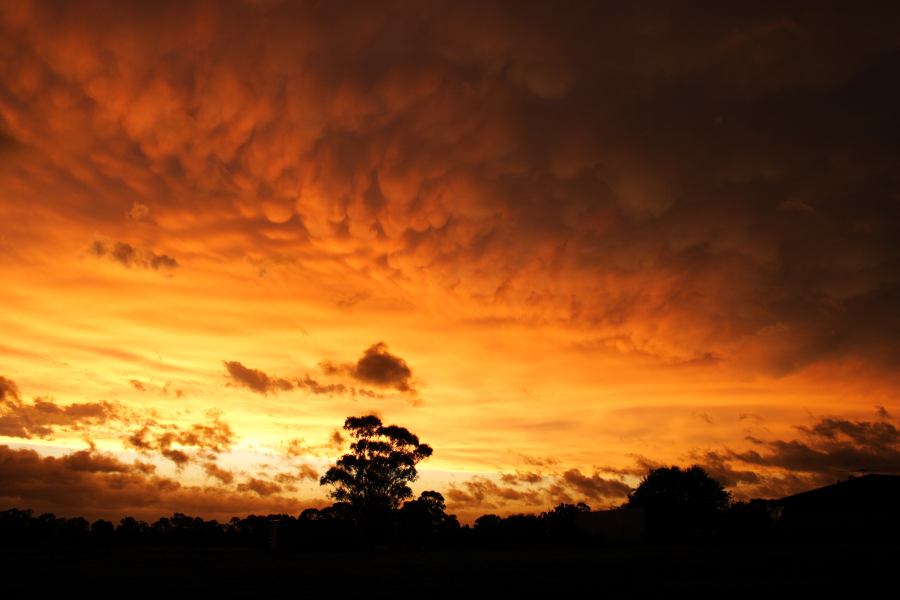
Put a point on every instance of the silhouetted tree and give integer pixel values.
(131, 531)
(425, 519)
(102, 532)
(488, 528)
(374, 477)
(561, 523)
(680, 503)
(16, 526)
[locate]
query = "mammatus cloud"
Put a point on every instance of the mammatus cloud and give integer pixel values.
(129, 256)
(43, 417)
(378, 367)
(665, 196)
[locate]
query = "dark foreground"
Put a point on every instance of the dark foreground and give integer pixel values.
(708, 571)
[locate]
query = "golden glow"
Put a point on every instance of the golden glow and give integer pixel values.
(565, 312)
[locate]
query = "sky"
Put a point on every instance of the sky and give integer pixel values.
(561, 243)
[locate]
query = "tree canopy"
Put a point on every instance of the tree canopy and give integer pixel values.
(680, 502)
(375, 475)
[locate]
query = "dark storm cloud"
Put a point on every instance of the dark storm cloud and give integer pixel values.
(378, 367)
(712, 182)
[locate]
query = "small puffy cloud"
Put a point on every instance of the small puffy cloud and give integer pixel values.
(213, 470)
(592, 486)
(519, 477)
(301, 473)
(297, 447)
(129, 256)
(183, 444)
(378, 367)
(530, 491)
(256, 380)
(8, 390)
(138, 211)
(484, 493)
(259, 486)
(43, 417)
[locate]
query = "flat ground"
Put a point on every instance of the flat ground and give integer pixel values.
(708, 571)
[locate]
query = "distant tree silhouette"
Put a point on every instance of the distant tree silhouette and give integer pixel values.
(561, 523)
(374, 477)
(488, 528)
(131, 531)
(102, 531)
(425, 519)
(681, 504)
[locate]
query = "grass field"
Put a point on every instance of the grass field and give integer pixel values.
(708, 571)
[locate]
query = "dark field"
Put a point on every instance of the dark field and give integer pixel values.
(708, 571)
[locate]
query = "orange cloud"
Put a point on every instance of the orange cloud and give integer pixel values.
(594, 233)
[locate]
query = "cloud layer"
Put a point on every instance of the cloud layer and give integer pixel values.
(585, 234)
(42, 417)
(97, 485)
(686, 183)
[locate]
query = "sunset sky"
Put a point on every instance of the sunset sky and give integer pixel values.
(561, 242)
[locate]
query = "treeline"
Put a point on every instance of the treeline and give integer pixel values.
(421, 523)
(670, 505)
